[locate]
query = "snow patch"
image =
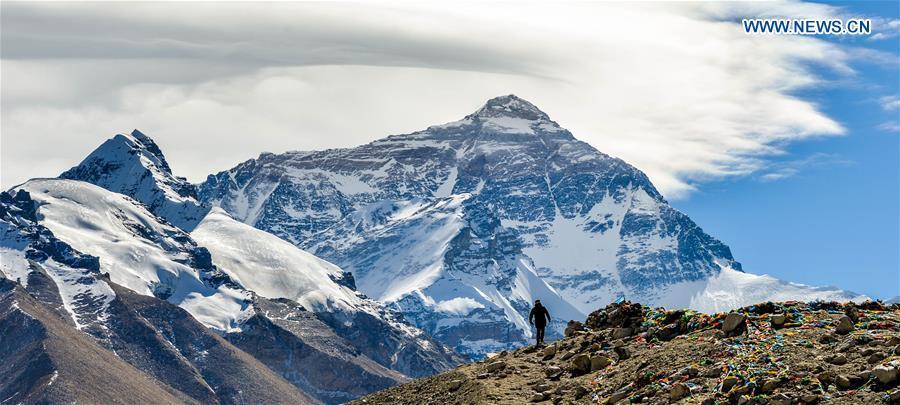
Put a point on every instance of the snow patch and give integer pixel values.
(14, 266)
(458, 306)
(270, 266)
(137, 249)
(509, 125)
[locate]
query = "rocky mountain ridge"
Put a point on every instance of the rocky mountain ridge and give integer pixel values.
(770, 353)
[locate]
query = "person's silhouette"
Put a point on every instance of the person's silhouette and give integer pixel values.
(539, 317)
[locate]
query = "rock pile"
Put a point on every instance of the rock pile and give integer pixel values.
(771, 353)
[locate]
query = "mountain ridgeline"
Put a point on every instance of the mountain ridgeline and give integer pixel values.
(462, 225)
(319, 277)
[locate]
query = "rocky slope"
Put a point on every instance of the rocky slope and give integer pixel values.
(47, 361)
(462, 225)
(772, 353)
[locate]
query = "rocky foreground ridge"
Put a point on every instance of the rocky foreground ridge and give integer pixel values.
(771, 353)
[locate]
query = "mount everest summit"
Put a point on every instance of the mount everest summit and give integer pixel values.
(462, 225)
(343, 271)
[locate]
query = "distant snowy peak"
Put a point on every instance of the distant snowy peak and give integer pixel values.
(138, 250)
(508, 115)
(134, 165)
(512, 107)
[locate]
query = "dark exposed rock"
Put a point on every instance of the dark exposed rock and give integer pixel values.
(46, 360)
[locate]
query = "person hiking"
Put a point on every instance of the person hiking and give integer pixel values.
(539, 317)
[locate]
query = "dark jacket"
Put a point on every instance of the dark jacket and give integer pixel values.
(539, 315)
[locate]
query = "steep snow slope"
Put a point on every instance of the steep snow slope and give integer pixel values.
(133, 165)
(449, 298)
(259, 265)
(461, 225)
(153, 335)
(137, 250)
(274, 268)
(271, 267)
(81, 309)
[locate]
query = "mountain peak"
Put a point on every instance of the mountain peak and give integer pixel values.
(510, 106)
(133, 164)
(145, 142)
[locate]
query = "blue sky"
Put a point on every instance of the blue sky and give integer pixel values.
(837, 219)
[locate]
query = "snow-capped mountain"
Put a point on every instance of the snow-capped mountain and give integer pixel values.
(72, 334)
(138, 250)
(106, 252)
(460, 226)
(135, 166)
(276, 269)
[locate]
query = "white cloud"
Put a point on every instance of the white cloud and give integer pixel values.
(885, 29)
(679, 90)
(890, 103)
(890, 126)
(790, 168)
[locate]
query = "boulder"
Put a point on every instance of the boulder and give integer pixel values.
(842, 382)
(837, 359)
(579, 391)
(733, 323)
(455, 384)
(581, 364)
(780, 399)
(549, 352)
(572, 327)
(679, 391)
(668, 332)
(600, 362)
(729, 382)
(617, 396)
(537, 397)
(809, 398)
(622, 352)
(552, 371)
(885, 374)
(619, 333)
(769, 385)
(844, 325)
(876, 357)
(826, 377)
(778, 320)
(497, 365)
